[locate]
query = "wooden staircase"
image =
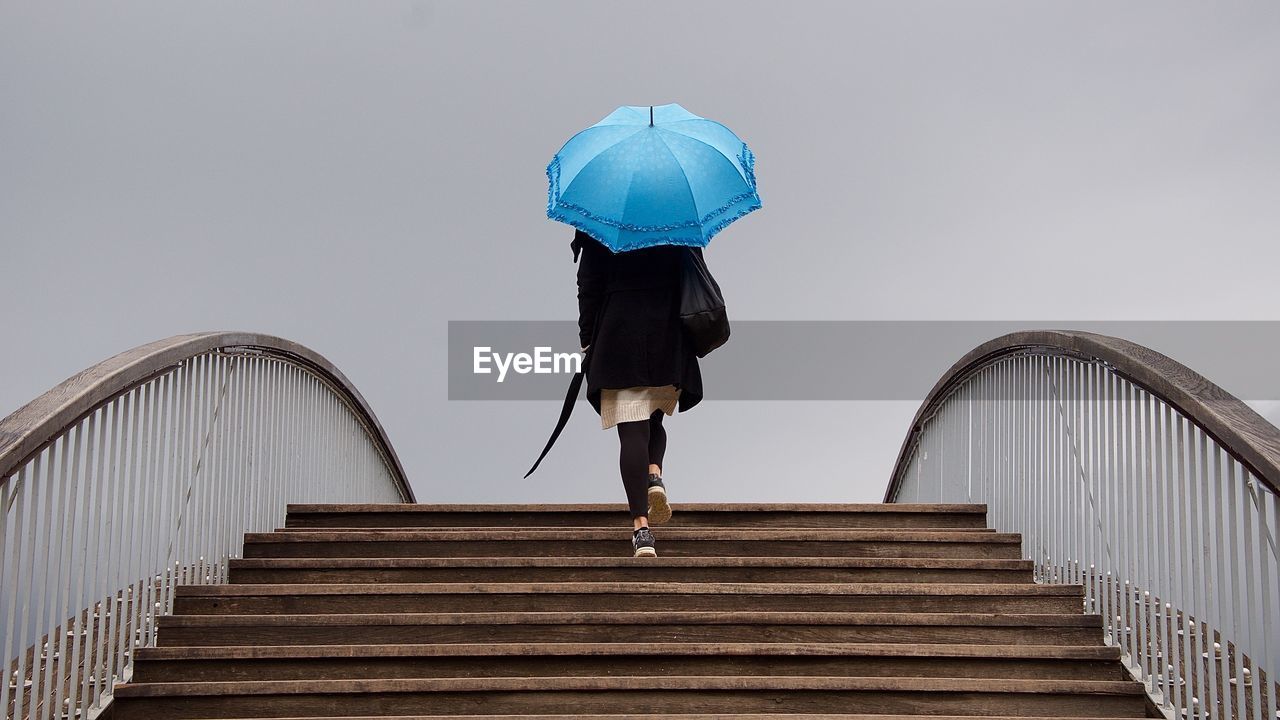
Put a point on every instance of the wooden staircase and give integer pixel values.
(799, 611)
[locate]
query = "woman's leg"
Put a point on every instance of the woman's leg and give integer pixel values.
(657, 443)
(633, 462)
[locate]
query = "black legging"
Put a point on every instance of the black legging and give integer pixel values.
(644, 442)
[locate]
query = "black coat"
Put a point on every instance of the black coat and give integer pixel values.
(632, 302)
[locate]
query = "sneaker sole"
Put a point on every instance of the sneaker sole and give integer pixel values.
(659, 508)
(646, 552)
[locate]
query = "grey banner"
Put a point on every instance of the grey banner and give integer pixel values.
(842, 359)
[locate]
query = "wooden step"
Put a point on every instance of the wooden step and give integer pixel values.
(339, 662)
(630, 627)
(701, 716)
(585, 597)
(627, 569)
(767, 611)
(707, 716)
(500, 696)
(756, 515)
(596, 542)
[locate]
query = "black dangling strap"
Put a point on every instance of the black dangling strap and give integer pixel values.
(575, 385)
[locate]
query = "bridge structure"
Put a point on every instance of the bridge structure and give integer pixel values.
(216, 525)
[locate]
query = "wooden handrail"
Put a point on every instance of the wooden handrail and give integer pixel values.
(33, 426)
(1240, 430)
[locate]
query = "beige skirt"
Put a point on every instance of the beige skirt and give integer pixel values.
(636, 403)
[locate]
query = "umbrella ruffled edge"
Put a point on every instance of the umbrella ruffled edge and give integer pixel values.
(555, 205)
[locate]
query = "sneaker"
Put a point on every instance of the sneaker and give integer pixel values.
(659, 508)
(643, 544)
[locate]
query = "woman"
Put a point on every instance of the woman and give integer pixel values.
(639, 366)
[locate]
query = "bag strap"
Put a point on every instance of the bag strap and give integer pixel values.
(570, 399)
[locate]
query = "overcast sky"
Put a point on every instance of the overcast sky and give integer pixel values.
(354, 175)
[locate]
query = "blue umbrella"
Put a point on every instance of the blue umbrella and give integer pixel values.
(652, 175)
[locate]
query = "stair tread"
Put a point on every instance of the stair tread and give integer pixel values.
(528, 648)
(622, 527)
(662, 561)
(620, 617)
(234, 652)
(694, 716)
(302, 508)
(652, 588)
(622, 533)
(669, 682)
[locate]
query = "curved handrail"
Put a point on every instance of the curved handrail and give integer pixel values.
(33, 426)
(143, 473)
(1135, 477)
(1240, 430)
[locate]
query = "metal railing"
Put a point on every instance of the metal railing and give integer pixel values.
(1133, 476)
(142, 474)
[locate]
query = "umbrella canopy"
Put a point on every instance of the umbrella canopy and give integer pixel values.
(652, 175)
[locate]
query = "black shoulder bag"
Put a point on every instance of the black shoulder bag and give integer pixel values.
(702, 311)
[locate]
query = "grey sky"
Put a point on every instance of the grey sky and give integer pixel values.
(354, 175)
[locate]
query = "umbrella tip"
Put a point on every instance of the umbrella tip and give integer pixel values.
(650, 116)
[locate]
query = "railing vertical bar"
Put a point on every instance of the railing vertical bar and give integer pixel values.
(1236, 655)
(228, 488)
(1069, 480)
(1055, 495)
(1044, 449)
(1186, 554)
(185, 393)
(1125, 475)
(1048, 441)
(21, 694)
(8, 593)
(158, 482)
(15, 632)
(214, 500)
(252, 514)
(252, 483)
(1266, 555)
(1164, 524)
(43, 614)
(77, 694)
(1021, 479)
(59, 600)
(59, 597)
(13, 625)
(1174, 563)
(1273, 537)
(1251, 609)
(1161, 584)
(119, 544)
(101, 507)
(123, 610)
(248, 513)
(279, 421)
(1064, 468)
(143, 490)
(1196, 472)
(184, 562)
(1089, 390)
(1135, 544)
(1147, 622)
(1036, 444)
(1107, 505)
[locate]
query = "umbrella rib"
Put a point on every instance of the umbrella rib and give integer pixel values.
(732, 160)
(564, 187)
(688, 188)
